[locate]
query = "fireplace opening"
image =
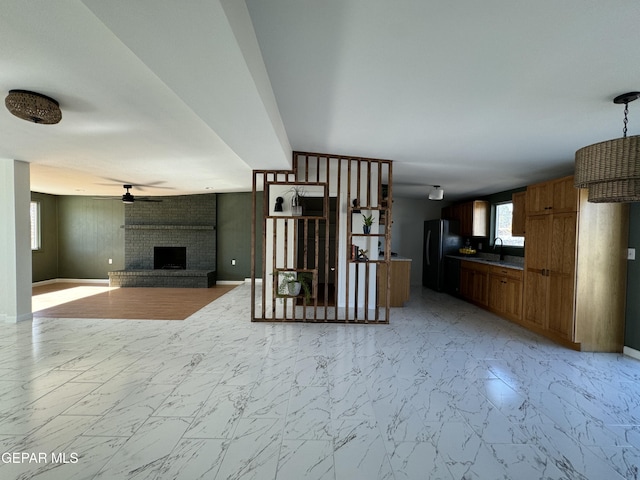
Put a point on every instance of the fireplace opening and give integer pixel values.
(169, 258)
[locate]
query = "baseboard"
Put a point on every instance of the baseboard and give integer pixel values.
(25, 317)
(631, 352)
(99, 281)
(248, 280)
(229, 282)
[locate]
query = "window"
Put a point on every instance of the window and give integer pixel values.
(35, 225)
(504, 212)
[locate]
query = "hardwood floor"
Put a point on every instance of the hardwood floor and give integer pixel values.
(73, 300)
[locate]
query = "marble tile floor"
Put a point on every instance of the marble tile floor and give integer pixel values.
(446, 391)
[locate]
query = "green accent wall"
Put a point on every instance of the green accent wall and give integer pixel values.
(44, 262)
(89, 234)
(632, 317)
(234, 235)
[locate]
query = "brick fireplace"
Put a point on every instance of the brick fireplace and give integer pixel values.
(184, 223)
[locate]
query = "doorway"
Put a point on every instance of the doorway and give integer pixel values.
(326, 243)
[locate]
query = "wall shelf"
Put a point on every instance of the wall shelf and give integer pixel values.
(297, 217)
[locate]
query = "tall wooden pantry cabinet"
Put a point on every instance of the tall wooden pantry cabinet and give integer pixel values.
(575, 267)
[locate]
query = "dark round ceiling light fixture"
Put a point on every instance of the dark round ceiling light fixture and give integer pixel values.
(33, 107)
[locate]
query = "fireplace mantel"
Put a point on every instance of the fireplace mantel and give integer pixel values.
(167, 227)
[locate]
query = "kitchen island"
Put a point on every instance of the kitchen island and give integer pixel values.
(400, 281)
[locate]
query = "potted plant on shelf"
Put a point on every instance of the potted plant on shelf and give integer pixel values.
(367, 221)
(292, 283)
(296, 200)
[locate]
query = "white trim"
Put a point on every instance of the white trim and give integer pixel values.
(100, 281)
(631, 352)
(229, 282)
(248, 280)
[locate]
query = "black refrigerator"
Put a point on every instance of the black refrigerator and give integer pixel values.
(440, 238)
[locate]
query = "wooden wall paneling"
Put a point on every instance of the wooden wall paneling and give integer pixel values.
(600, 308)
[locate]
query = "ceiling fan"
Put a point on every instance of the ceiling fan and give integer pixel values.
(139, 186)
(128, 198)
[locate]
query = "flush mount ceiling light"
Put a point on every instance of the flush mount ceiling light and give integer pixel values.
(436, 193)
(33, 107)
(611, 169)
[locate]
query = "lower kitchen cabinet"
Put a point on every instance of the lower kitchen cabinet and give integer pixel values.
(474, 282)
(495, 287)
(505, 292)
(400, 282)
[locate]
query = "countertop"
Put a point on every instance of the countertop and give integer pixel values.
(399, 258)
(516, 263)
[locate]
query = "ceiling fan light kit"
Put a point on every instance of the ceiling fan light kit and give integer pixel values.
(33, 107)
(610, 170)
(436, 193)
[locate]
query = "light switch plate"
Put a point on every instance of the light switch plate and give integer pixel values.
(631, 253)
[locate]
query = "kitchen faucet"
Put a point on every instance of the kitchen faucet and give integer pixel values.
(495, 244)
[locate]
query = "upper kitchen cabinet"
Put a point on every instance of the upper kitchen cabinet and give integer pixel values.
(519, 214)
(473, 217)
(554, 196)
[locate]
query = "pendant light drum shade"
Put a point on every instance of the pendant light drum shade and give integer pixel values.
(610, 170)
(33, 107)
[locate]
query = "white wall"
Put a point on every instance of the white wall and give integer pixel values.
(407, 229)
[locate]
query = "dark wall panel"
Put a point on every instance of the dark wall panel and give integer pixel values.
(45, 260)
(89, 234)
(234, 235)
(632, 318)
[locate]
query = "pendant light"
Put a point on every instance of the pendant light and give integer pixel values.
(610, 170)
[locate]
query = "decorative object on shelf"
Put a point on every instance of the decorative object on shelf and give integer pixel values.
(296, 200)
(362, 255)
(436, 193)
(367, 221)
(355, 204)
(278, 206)
(290, 284)
(33, 107)
(610, 170)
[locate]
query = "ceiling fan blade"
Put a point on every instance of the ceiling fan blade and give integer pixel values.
(138, 186)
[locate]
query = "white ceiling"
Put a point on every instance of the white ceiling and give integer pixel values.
(476, 96)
